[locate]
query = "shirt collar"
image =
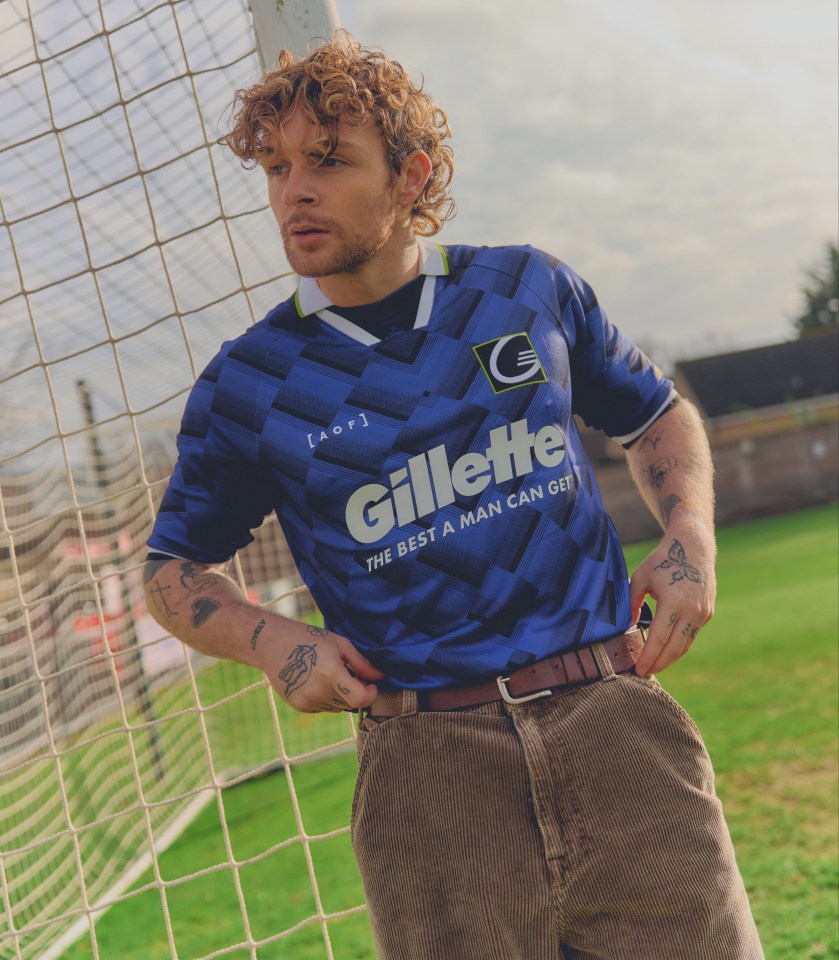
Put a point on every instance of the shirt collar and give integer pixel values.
(309, 298)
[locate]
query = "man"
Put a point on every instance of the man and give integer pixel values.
(526, 788)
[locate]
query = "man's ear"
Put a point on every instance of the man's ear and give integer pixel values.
(416, 169)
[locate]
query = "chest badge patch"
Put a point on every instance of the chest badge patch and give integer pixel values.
(510, 362)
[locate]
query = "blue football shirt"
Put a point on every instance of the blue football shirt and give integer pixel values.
(431, 485)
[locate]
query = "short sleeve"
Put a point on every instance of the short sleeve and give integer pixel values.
(217, 493)
(615, 387)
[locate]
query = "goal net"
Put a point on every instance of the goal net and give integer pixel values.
(130, 247)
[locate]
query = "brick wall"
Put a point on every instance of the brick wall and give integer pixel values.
(776, 461)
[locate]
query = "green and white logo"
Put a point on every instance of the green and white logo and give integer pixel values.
(510, 362)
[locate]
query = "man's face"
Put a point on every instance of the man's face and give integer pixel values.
(335, 215)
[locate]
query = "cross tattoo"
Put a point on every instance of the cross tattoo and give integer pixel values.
(161, 599)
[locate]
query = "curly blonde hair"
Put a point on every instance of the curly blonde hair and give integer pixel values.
(343, 81)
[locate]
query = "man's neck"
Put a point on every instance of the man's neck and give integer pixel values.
(391, 268)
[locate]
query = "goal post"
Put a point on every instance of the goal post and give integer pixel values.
(131, 246)
(278, 24)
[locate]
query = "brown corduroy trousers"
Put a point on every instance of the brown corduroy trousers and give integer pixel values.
(580, 826)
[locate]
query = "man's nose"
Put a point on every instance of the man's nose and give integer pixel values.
(299, 187)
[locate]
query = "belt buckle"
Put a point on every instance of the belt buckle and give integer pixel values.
(508, 698)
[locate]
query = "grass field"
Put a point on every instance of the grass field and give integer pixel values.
(761, 683)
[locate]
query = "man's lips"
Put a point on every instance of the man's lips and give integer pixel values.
(305, 229)
(305, 236)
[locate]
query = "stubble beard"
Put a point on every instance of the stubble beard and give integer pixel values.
(352, 252)
(350, 257)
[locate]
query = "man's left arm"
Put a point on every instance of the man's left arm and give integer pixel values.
(671, 465)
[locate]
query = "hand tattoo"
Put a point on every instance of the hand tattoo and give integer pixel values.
(297, 671)
(683, 570)
(657, 472)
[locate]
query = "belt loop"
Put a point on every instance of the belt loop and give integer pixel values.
(410, 702)
(607, 671)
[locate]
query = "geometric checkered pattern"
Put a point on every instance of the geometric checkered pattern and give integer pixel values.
(450, 449)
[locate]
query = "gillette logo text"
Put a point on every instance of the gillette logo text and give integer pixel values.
(428, 482)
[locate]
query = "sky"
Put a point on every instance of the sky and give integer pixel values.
(682, 157)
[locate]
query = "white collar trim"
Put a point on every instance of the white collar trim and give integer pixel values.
(309, 298)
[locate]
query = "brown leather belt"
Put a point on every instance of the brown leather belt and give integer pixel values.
(600, 661)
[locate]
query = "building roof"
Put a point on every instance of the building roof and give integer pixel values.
(763, 376)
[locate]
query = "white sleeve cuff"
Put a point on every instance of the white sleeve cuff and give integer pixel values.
(624, 441)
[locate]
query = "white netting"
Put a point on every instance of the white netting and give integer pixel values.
(130, 247)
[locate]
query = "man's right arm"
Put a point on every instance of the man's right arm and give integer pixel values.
(312, 669)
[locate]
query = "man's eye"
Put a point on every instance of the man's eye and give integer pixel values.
(331, 162)
(277, 170)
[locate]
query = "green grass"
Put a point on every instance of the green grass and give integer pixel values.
(204, 911)
(761, 683)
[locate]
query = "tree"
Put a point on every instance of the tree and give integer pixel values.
(821, 295)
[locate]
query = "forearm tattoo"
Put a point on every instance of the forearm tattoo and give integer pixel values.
(256, 633)
(666, 505)
(658, 472)
(678, 563)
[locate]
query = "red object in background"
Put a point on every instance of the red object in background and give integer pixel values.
(88, 627)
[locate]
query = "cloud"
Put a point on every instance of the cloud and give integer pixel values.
(681, 157)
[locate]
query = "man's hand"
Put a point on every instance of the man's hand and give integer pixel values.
(315, 670)
(311, 668)
(679, 576)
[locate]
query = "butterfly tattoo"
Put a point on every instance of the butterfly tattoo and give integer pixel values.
(682, 570)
